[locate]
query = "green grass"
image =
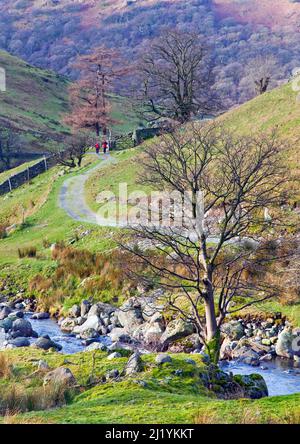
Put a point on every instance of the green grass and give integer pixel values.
(276, 110)
(11, 172)
(34, 102)
(45, 224)
(164, 398)
(124, 172)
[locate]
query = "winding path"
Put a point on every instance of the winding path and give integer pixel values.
(73, 201)
(72, 194)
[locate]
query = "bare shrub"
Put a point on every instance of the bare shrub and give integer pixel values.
(27, 252)
(14, 418)
(21, 399)
(5, 366)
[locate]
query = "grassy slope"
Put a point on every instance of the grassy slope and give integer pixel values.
(8, 173)
(125, 401)
(166, 398)
(33, 102)
(45, 224)
(36, 99)
(277, 109)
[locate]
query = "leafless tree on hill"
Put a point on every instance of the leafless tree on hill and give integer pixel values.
(175, 78)
(75, 147)
(90, 96)
(205, 264)
(262, 73)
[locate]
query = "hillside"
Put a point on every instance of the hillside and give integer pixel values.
(180, 390)
(33, 102)
(274, 14)
(49, 33)
(278, 109)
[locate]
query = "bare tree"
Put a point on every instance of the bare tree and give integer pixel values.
(204, 257)
(76, 146)
(90, 95)
(262, 73)
(175, 78)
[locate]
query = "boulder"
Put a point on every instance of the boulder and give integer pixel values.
(43, 366)
(233, 329)
(246, 355)
(46, 344)
(89, 333)
(101, 308)
(19, 314)
(6, 324)
(130, 315)
(163, 359)
(150, 305)
(114, 355)
(266, 358)
(68, 324)
(4, 312)
(253, 386)
(113, 374)
(60, 376)
(226, 349)
(92, 322)
(284, 345)
(22, 328)
(96, 346)
(150, 332)
(296, 343)
(19, 342)
(40, 316)
(134, 364)
(115, 346)
(175, 330)
(75, 311)
(119, 335)
(297, 359)
(84, 308)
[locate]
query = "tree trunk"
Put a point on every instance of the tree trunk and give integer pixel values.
(211, 319)
(97, 129)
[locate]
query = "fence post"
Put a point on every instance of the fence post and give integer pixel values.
(28, 174)
(46, 166)
(9, 183)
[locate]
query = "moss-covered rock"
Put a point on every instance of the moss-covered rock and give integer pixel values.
(254, 386)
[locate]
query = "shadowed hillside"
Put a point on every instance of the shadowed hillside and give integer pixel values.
(33, 103)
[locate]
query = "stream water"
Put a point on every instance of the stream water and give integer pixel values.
(281, 376)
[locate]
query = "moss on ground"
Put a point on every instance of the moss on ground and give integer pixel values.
(157, 395)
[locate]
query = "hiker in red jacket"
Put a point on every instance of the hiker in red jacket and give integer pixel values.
(104, 146)
(97, 146)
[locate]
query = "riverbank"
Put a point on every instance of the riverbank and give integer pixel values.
(282, 376)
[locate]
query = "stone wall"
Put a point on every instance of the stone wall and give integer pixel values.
(26, 175)
(141, 134)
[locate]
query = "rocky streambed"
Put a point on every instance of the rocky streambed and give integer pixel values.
(265, 347)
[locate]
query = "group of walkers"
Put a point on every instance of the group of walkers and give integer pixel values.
(105, 147)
